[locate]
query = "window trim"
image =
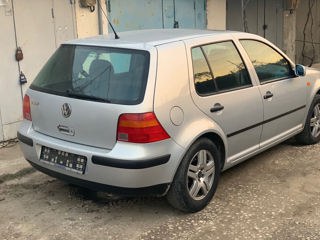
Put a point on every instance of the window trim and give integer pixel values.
(209, 66)
(213, 78)
(265, 43)
(225, 91)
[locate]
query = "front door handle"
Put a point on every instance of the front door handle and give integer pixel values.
(268, 95)
(217, 107)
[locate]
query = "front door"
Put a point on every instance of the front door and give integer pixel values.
(225, 93)
(284, 94)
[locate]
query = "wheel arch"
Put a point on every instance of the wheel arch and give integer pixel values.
(216, 139)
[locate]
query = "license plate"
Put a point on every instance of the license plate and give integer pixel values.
(68, 161)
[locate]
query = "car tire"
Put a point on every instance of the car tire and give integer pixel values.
(311, 130)
(197, 177)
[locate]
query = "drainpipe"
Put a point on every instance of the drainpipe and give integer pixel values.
(100, 25)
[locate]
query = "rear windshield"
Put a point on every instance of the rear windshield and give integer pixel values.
(102, 74)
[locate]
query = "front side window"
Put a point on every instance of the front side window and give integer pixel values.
(218, 67)
(95, 73)
(268, 63)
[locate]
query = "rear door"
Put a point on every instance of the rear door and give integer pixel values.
(284, 94)
(81, 91)
(223, 90)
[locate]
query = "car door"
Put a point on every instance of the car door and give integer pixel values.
(284, 94)
(223, 90)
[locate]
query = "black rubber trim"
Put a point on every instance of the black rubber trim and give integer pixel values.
(25, 139)
(264, 122)
(155, 190)
(130, 164)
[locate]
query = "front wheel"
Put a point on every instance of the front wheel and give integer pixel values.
(197, 178)
(311, 131)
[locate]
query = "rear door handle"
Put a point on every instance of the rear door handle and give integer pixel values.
(217, 107)
(268, 95)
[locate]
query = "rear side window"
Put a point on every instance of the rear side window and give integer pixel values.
(268, 63)
(227, 70)
(95, 73)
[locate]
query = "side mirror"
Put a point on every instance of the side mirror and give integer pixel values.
(300, 70)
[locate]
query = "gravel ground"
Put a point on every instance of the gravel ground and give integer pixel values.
(275, 195)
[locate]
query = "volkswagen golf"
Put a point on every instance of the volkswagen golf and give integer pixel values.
(164, 112)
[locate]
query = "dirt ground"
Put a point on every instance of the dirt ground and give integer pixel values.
(275, 195)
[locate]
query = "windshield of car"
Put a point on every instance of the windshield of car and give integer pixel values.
(101, 74)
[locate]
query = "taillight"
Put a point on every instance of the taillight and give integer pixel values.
(26, 108)
(140, 128)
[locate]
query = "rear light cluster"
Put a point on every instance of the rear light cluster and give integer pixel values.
(140, 128)
(26, 108)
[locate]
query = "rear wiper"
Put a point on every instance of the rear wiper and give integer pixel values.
(70, 93)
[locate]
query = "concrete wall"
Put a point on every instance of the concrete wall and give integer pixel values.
(88, 22)
(258, 14)
(289, 33)
(216, 14)
(302, 12)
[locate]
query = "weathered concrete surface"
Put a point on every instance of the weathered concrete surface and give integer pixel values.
(289, 34)
(275, 195)
(317, 65)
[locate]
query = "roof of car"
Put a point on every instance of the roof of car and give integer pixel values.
(141, 38)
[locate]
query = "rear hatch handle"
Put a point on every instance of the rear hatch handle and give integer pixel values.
(66, 130)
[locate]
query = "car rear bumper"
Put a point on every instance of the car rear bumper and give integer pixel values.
(127, 167)
(156, 190)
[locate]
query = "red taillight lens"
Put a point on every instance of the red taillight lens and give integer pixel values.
(26, 108)
(140, 128)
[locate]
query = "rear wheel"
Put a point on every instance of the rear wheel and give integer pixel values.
(197, 177)
(311, 131)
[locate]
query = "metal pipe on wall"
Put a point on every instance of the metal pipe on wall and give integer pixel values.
(100, 24)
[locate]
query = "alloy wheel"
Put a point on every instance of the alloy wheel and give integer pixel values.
(200, 175)
(315, 121)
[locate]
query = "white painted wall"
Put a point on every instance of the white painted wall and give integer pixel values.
(87, 22)
(216, 14)
(10, 91)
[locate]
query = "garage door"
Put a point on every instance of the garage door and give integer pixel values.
(149, 14)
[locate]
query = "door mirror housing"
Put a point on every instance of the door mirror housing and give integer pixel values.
(300, 70)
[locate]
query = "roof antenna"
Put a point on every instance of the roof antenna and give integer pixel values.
(115, 33)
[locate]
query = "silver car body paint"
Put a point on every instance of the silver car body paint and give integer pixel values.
(170, 86)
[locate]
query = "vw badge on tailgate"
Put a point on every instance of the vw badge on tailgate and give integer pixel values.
(66, 110)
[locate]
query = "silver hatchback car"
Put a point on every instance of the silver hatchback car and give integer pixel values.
(163, 112)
